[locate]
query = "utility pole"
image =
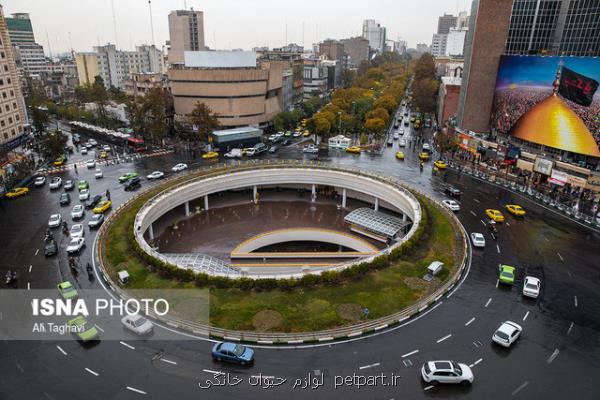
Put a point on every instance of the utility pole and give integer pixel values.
(151, 24)
(112, 2)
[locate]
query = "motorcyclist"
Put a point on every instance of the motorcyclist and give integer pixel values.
(421, 165)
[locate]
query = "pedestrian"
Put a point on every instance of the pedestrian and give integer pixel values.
(107, 194)
(76, 172)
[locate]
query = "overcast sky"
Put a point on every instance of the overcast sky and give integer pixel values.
(228, 24)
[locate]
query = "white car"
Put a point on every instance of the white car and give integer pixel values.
(84, 194)
(446, 371)
(401, 131)
(84, 150)
(297, 134)
(396, 135)
(75, 245)
(179, 167)
(402, 143)
(40, 181)
(531, 287)
(54, 221)
(426, 147)
(90, 164)
(155, 175)
(98, 174)
(507, 334)
(106, 148)
(55, 183)
(451, 204)
(96, 221)
(138, 324)
(234, 153)
(76, 231)
(77, 212)
(311, 148)
(92, 142)
(477, 239)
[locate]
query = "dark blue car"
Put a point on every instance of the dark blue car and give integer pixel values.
(233, 352)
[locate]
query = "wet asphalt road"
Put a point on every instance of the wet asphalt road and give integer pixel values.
(556, 358)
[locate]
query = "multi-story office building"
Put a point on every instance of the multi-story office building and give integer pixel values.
(231, 83)
(455, 42)
(358, 50)
(438, 44)
(445, 22)
(315, 78)
(333, 50)
(186, 33)
(141, 83)
(423, 48)
(29, 56)
(12, 104)
(115, 66)
(548, 27)
(462, 21)
(291, 58)
(375, 34)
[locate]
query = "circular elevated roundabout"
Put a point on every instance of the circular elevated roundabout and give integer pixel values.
(369, 277)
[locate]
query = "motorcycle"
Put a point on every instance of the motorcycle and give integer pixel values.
(11, 277)
(48, 236)
(90, 272)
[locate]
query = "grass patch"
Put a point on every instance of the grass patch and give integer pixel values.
(382, 291)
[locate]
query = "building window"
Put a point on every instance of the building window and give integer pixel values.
(5, 68)
(7, 108)
(5, 135)
(2, 55)
(13, 132)
(18, 117)
(10, 120)
(2, 123)
(14, 105)
(4, 96)
(12, 93)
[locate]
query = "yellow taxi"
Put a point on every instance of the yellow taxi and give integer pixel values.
(298, 129)
(16, 192)
(306, 134)
(210, 154)
(400, 155)
(103, 154)
(246, 150)
(59, 161)
(303, 122)
(494, 215)
(440, 164)
(353, 149)
(515, 209)
(424, 156)
(102, 207)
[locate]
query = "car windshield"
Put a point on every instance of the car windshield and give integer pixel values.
(74, 242)
(139, 321)
(531, 286)
(457, 368)
(507, 274)
(502, 335)
(238, 350)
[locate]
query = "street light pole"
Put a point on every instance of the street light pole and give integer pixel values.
(340, 122)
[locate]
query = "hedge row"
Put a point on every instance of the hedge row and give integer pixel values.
(170, 271)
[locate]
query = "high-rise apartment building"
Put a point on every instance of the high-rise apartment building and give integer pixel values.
(358, 50)
(186, 33)
(445, 22)
(375, 34)
(438, 44)
(29, 56)
(116, 66)
(455, 42)
(12, 105)
(334, 50)
(497, 27)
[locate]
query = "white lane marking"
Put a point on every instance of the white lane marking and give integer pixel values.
(37, 251)
(498, 248)
(440, 340)
(570, 327)
(210, 371)
(61, 350)
(559, 256)
(553, 356)
(135, 390)
(410, 354)
(517, 390)
(569, 273)
(488, 302)
(575, 299)
(168, 361)
(428, 387)
(475, 363)
(469, 322)
(476, 201)
(30, 267)
(546, 239)
(473, 213)
(100, 329)
(19, 367)
(369, 366)
(526, 315)
(497, 281)
(507, 224)
(127, 345)
(28, 286)
(92, 372)
(482, 222)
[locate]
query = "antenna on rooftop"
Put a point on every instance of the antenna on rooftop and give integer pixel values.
(151, 23)
(112, 2)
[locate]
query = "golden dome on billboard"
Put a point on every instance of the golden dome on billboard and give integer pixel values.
(552, 123)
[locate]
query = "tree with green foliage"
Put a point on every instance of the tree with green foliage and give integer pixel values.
(311, 106)
(322, 126)
(52, 144)
(425, 67)
(375, 125)
(380, 113)
(287, 120)
(425, 94)
(202, 122)
(387, 102)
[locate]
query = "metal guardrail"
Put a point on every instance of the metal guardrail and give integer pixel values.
(344, 332)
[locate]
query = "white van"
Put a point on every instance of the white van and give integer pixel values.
(234, 153)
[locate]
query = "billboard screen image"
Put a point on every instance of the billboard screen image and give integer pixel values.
(551, 101)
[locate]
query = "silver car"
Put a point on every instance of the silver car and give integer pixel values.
(77, 212)
(138, 324)
(76, 231)
(446, 371)
(84, 194)
(54, 221)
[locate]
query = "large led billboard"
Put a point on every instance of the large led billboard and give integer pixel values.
(551, 101)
